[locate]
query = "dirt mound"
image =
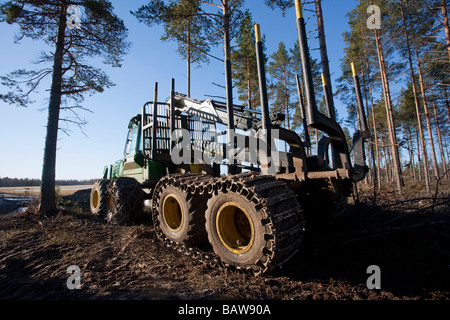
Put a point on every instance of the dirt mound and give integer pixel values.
(408, 241)
(81, 197)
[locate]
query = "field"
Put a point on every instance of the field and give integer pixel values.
(34, 191)
(408, 239)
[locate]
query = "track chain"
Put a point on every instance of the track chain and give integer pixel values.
(252, 186)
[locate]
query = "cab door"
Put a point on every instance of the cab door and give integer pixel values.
(134, 161)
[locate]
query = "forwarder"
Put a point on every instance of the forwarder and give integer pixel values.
(220, 204)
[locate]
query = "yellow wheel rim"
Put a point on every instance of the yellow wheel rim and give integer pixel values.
(235, 228)
(172, 213)
(95, 199)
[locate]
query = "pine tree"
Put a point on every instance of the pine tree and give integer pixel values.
(97, 32)
(361, 50)
(184, 23)
(408, 120)
(406, 42)
(279, 68)
(244, 65)
(445, 23)
(389, 106)
(417, 47)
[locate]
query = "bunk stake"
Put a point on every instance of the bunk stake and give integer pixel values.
(303, 113)
(172, 114)
(155, 121)
(262, 83)
(362, 114)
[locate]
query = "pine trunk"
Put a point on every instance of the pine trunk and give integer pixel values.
(386, 159)
(47, 201)
(416, 101)
(447, 104)
(389, 114)
(438, 130)
(418, 155)
(447, 30)
(411, 155)
(425, 108)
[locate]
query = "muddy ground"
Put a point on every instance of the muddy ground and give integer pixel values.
(408, 238)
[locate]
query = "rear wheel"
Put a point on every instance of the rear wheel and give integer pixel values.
(322, 200)
(181, 216)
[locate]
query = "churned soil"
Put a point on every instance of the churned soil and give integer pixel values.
(407, 238)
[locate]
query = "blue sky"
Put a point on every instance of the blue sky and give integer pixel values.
(79, 156)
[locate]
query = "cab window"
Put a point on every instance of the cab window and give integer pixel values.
(132, 139)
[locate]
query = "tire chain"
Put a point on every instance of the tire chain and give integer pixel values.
(207, 186)
(130, 199)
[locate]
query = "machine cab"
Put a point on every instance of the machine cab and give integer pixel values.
(134, 161)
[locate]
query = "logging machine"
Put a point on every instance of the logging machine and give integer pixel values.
(244, 204)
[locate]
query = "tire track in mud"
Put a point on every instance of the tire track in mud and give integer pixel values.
(131, 263)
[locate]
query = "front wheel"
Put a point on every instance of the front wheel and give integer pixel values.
(126, 201)
(99, 200)
(254, 230)
(235, 230)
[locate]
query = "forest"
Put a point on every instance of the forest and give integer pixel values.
(15, 182)
(404, 67)
(403, 64)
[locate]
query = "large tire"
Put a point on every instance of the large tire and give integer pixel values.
(99, 199)
(127, 201)
(251, 234)
(181, 217)
(322, 201)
